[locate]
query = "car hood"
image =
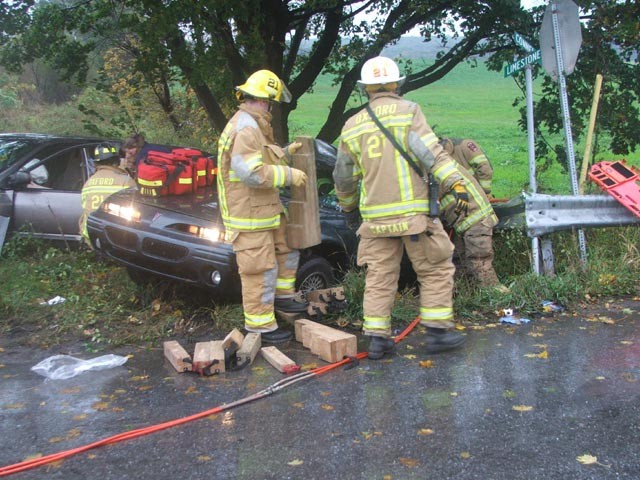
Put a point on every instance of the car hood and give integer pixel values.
(202, 204)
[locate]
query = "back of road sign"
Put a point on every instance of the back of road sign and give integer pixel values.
(570, 36)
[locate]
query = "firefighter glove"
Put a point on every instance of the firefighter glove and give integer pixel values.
(462, 197)
(298, 177)
(353, 219)
(291, 149)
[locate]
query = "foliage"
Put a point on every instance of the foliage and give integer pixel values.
(610, 46)
(213, 45)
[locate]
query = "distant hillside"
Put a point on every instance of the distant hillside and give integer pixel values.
(408, 47)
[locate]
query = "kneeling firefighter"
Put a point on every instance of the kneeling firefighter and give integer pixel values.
(390, 148)
(251, 169)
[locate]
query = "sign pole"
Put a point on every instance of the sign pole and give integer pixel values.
(533, 185)
(564, 104)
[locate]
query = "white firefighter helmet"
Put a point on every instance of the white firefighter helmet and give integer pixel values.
(380, 71)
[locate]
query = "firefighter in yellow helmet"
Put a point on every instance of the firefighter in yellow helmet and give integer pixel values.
(252, 168)
(393, 201)
(110, 176)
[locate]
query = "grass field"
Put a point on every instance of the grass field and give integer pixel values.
(469, 102)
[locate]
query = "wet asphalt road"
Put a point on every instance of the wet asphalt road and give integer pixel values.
(495, 409)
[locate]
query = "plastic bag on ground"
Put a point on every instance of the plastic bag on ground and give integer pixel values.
(60, 367)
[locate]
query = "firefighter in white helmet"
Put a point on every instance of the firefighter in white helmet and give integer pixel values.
(251, 170)
(393, 201)
(110, 176)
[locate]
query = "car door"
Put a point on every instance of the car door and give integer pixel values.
(50, 206)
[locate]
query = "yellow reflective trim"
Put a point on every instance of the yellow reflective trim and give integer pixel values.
(185, 181)
(429, 139)
(478, 159)
(442, 313)
(377, 323)
(150, 183)
(445, 170)
(248, 224)
(393, 209)
(258, 321)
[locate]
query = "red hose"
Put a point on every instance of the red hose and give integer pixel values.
(37, 462)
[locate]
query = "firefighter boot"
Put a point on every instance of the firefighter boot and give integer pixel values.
(440, 340)
(291, 304)
(378, 346)
(277, 336)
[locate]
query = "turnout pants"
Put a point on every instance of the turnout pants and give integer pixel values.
(476, 254)
(267, 268)
(430, 254)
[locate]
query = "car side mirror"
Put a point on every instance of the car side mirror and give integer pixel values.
(18, 180)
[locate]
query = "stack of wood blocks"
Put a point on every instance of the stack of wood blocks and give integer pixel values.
(330, 344)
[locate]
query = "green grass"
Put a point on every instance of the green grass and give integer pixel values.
(470, 102)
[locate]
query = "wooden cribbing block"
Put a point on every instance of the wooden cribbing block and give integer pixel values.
(303, 225)
(249, 348)
(330, 344)
(177, 356)
(208, 358)
(326, 294)
(279, 360)
(234, 337)
(303, 335)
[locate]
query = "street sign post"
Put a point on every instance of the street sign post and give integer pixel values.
(560, 40)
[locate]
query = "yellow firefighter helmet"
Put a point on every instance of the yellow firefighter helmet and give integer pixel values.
(264, 85)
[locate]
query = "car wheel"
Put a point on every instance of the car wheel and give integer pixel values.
(315, 273)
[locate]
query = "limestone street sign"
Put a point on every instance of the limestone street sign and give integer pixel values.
(519, 64)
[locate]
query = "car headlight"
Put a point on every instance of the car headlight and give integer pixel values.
(122, 211)
(211, 234)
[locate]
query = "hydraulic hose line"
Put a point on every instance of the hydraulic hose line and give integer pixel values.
(271, 389)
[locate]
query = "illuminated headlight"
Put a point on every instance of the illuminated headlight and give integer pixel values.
(211, 234)
(122, 211)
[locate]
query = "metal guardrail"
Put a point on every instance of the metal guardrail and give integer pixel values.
(541, 214)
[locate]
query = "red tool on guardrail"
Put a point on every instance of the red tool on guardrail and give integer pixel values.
(620, 181)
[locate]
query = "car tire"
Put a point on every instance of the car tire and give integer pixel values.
(314, 273)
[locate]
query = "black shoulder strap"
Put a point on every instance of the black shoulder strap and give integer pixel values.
(394, 142)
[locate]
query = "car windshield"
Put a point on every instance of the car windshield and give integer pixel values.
(12, 149)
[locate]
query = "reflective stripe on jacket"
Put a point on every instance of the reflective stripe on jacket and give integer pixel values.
(479, 205)
(106, 181)
(390, 188)
(250, 172)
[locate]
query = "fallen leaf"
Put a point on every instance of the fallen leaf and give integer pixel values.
(366, 435)
(408, 462)
(33, 457)
(409, 347)
(326, 407)
(587, 459)
(543, 354)
(453, 394)
(309, 366)
(325, 394)
(295, 463)
(80, 416)
(12, 406)
(522, 408)
(425, 431)
(465, 455)
(626, 342)
(100, 406)
(427, 364)
(298, 405)
(203, 458)
(627, 311)
(191, 389)
(460, 327)
(71, 390)
(91, 456)
(600, 377)
(409, 356)
(139, 378)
